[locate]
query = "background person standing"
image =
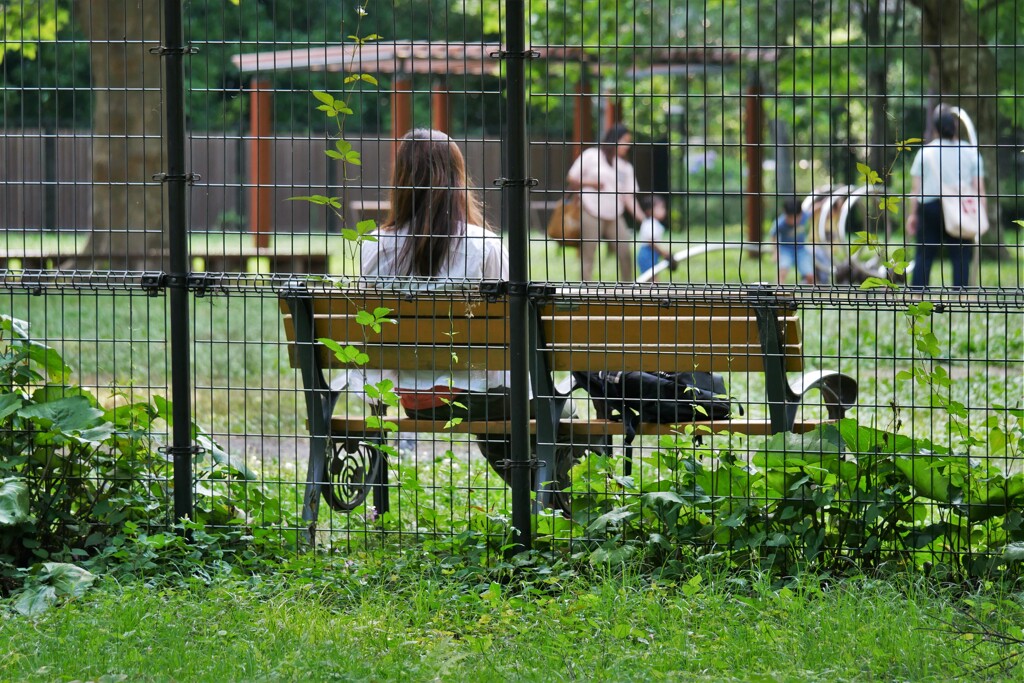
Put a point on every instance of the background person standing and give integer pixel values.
(608, 189)
(944, 160)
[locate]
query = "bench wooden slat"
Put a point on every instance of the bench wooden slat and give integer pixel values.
(456, 354)
(414, 330)
(732, 358)
(342, 426)
(671, 345)
(422, 307)
(635, 330)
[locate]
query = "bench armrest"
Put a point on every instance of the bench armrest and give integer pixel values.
(839, 391)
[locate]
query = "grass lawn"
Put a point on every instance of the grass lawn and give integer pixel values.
(388, 622)
(418, 613)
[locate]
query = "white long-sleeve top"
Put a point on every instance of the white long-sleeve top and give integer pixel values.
(477, 256)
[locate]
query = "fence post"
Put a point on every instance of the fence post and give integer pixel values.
(175, 179)
(514, 194)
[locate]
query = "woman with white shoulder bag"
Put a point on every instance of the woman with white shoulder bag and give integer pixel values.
(947, 202)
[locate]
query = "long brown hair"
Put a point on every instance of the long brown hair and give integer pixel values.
(430, 196)
(610, 141)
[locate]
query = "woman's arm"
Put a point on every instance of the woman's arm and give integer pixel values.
(628, 189)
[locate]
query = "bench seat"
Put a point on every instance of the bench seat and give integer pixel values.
(352, 426)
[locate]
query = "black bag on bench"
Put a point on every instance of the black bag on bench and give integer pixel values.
(661, 397)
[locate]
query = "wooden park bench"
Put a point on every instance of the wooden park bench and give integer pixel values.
(573, 328)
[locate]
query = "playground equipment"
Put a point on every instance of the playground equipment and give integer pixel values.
(697, 250)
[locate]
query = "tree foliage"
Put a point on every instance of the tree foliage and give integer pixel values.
(24, 25)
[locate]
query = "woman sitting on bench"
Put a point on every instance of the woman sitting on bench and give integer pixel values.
(435, 238)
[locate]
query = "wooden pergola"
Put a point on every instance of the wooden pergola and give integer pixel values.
(404, 59)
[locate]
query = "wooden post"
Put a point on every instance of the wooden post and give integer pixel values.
(754, 134)
(439, 116)
(582, 118)
(612, 111)
(401, 111)
(260, 161)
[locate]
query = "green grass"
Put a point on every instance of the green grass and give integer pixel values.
(390, 622)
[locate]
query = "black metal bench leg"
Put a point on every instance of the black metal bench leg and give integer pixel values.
(781, 410)
(381, 493)
(316, 474)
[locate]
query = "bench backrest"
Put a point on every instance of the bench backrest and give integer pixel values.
(426, 332)
(668, 337)
(430, 333)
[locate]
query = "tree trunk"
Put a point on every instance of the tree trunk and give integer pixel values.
(879, 139)
(963, 74)
(127, 150)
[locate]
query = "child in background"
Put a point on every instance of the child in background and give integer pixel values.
(650, 234)
(791, 248)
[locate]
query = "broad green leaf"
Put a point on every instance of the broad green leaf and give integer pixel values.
(876, 282)
(613, 517)
(1014, 551)
(235, 464)
(324, 97)
(67, 579)
(55, 392)
(891, 204)
(663, 498)
(164, 409)
(870, 176)
(16, 326)
(35, 600)
(922, 473)
(14, 505)
(614, 554)
(49, 359)
(67, 414)
(96, 435)
(139, 415)
(9, 404)
(319, 199)
(52, 580)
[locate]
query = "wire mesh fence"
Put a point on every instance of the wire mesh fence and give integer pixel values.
(395, 245)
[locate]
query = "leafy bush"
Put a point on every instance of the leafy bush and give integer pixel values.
(844, 496)
(79, 481)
